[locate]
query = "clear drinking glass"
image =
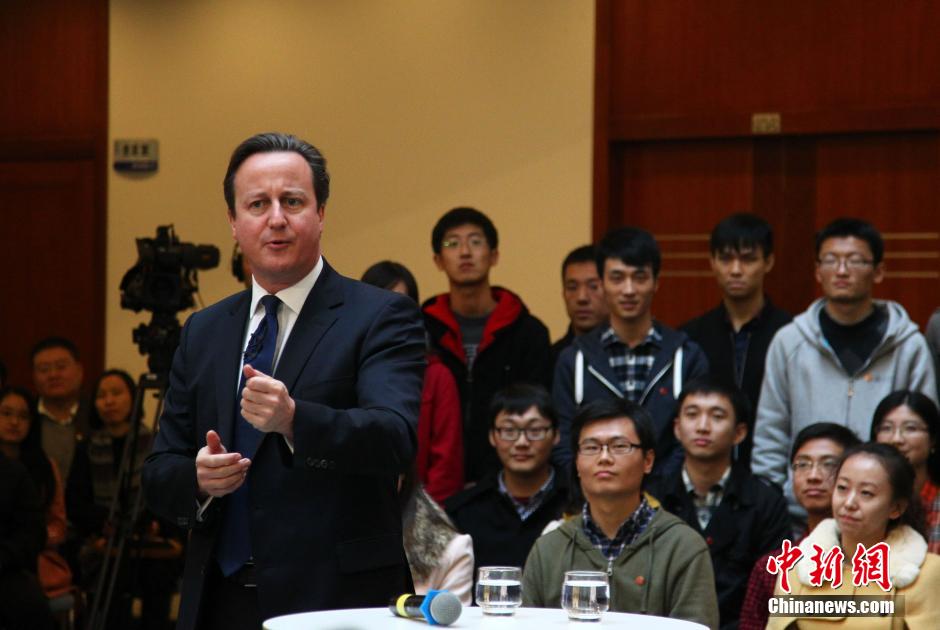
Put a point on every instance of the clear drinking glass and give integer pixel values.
(585, 595)
(499, 590)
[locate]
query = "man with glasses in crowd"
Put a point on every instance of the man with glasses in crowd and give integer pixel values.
(63, 411)
(656, 564)
(841, 356)
(485, 335)
(508, 510)
(815, 457)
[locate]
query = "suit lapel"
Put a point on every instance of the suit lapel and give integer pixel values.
(230, 334)
(319, 313)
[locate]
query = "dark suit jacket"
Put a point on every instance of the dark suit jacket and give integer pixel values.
(326, 526)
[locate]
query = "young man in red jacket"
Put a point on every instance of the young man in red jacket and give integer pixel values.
(483, 334)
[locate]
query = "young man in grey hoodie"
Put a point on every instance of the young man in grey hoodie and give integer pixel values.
(840, 357)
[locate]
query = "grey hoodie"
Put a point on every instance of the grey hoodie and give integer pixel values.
(805, 383)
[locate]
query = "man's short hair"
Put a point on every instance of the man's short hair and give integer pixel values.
(55, 342)
(708, 384)
(632, 246)
(583, 254)
(386, 274)
(519, 398)
(609, 409)
(742, 231)
(463, 216)
(845, 227)
(824, 431)
(273, 142)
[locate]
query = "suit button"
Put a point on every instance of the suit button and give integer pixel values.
(311, 462)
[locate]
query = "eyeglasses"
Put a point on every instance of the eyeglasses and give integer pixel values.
(58, 366)
(7, 414)
(533, 434)
(826, 465)
(854, 263)
(590, 448)
(475, 242)
(908, 429)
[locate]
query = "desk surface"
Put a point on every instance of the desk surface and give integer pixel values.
(525, 618)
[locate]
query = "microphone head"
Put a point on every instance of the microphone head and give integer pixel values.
(443, 607)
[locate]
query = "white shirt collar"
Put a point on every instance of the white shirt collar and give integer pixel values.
(293, 296)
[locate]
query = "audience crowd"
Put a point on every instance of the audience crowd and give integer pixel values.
(683, 462)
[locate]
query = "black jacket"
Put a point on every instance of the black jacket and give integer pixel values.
(713, 332)
(22, 519)
(599, 382)
(751, 520)
(515, 347)
(500, 537)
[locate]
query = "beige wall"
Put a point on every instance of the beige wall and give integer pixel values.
(418, 105)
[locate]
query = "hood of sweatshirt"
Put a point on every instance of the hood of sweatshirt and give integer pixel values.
(900, 327)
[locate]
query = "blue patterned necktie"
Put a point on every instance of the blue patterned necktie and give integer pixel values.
(235, 539)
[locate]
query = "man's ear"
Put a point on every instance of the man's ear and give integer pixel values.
(492, 436)
(438, 262)
(879, 272)
(768, 263)
(740, 432)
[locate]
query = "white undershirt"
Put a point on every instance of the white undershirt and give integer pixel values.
(293, 298)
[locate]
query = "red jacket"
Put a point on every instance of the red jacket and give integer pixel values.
(440, 438)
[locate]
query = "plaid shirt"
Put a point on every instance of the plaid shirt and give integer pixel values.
(631, 529)
(931, 501)
(631, 365)
(525, 509)
(705, 506)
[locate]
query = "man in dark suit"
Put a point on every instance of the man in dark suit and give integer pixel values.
(291, 408)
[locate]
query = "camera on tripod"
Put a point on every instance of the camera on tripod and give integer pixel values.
(163, 281)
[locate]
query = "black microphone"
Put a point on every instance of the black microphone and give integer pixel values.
(438, 608)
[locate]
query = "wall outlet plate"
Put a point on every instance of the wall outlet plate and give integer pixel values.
(136, 155)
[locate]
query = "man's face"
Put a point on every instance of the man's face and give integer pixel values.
(277, 222)
(584, 296)
(707, 428)
(846, 270)
(606, 475)
(813, 467)
(628, 290)
(56, 374)
(525, 455)
(465, 255)
(740, 274)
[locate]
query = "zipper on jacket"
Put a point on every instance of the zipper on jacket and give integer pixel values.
(610, 567)
(652, 383)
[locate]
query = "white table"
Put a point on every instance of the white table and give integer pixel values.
(525, 618)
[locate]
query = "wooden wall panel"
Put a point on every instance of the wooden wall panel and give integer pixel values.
(53, 156)
(678, 190)
(675, 60)
(857, 88)
(52, 89)
(892, 180)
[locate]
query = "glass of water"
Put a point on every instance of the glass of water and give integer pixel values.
(499, 590)
(585, 595)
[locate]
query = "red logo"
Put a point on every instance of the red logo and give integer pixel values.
(868, 565)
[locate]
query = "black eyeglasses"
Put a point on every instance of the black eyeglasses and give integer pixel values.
(533, 434)
(590, 448)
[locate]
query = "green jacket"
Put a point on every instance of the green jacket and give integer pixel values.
(666, 572)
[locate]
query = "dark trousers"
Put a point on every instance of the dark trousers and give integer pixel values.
(23, 605)
(227, 605)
